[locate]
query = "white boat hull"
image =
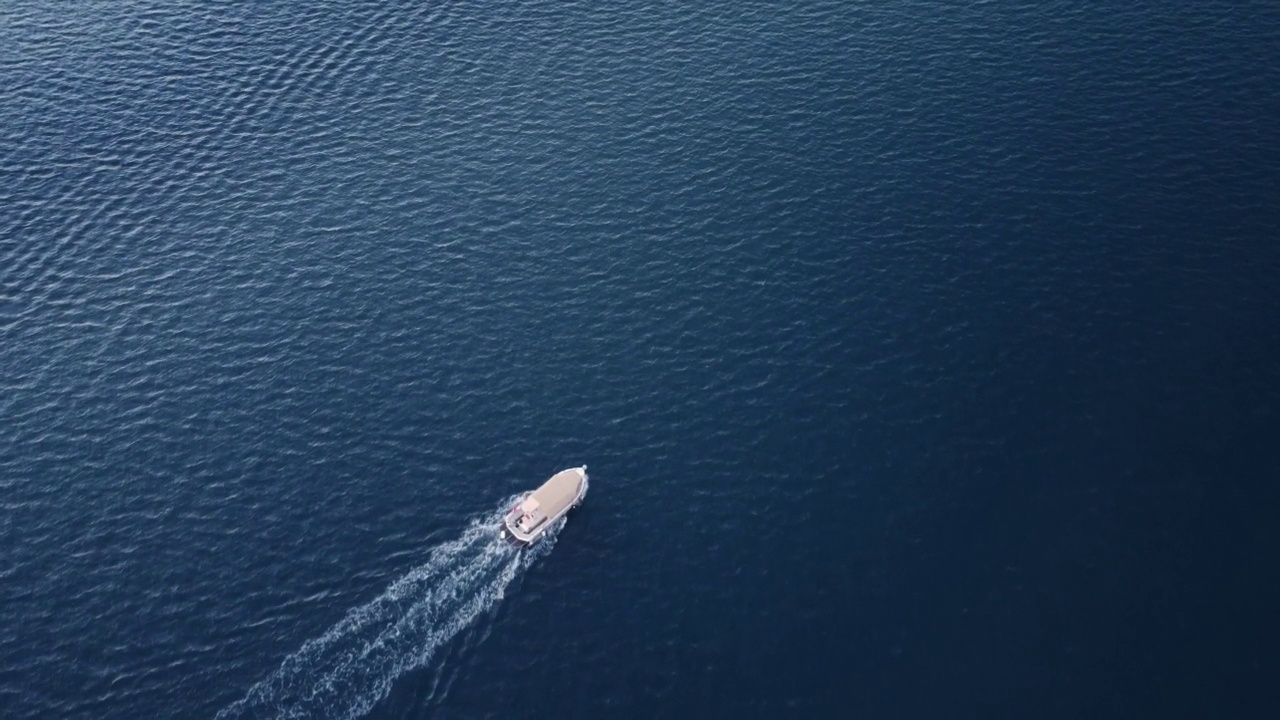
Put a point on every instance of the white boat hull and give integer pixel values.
(537, 512)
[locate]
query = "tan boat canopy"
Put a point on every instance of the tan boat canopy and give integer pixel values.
(548, 503)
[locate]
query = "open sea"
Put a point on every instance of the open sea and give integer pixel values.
(925, 357)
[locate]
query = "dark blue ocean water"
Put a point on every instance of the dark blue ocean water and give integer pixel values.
(923, 354)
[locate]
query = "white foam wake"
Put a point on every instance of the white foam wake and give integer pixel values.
(343, 673)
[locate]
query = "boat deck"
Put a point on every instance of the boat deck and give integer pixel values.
(548, 503)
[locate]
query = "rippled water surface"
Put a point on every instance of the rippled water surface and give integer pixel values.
(923, 356)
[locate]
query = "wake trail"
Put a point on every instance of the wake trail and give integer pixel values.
(343, 673)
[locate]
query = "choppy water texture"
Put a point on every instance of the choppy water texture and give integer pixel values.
(923, 354)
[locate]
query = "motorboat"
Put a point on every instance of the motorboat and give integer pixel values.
(538, 511)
